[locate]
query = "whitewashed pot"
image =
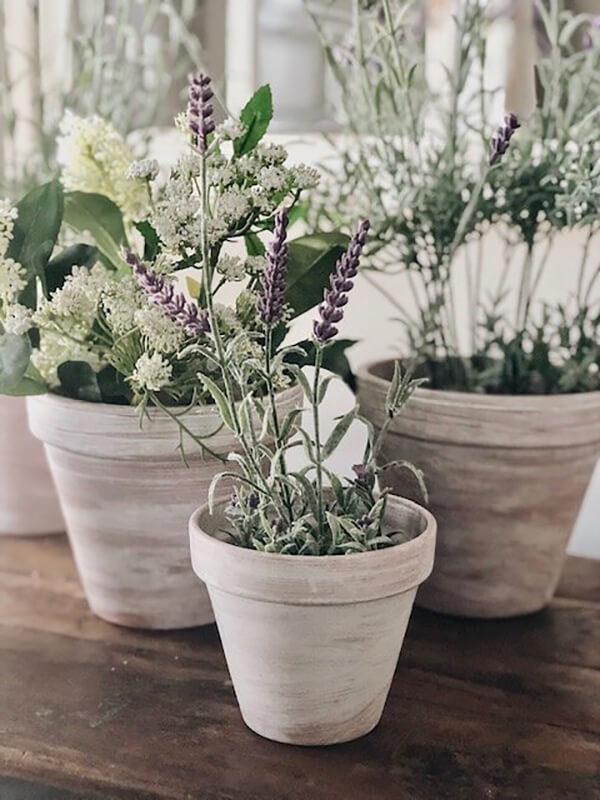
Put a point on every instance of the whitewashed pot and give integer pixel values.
(28, 502)
(127, 496)
(312, 642)
(506, 478)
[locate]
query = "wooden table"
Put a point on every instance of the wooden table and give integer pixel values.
(477, 710)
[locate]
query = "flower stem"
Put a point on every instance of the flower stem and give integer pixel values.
(317, 434)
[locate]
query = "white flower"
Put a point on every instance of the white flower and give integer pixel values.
(231, 129)
(151, 372)
(306, 177)
(11, 279)
(8, 215)
(231, 267)
(273, 179)
(160, 333)
(145, 169)
(95, 158)
(271, 153)
(120, 300)
(233, 204)
(18, 319)
(189, 166)
(76, 302)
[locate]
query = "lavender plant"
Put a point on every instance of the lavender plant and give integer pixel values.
(417, 159)
(312, 511)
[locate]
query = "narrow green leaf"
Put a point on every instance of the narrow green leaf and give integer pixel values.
(220, 400)
(338, 433)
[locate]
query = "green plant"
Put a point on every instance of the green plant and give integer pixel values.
(416, 160)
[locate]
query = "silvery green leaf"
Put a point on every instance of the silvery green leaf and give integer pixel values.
(308, 490)
(289, 424)
(336, 532)
(302, 380)
(308, 445)
(220, 401)
(324, 385)
(338, 433)
(415, 472)
(244, 414)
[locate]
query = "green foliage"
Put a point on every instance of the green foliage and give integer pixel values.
(311, 262)
(35, 233)
(256, 115)
(99, 217)
(415, 164)
(59, 267)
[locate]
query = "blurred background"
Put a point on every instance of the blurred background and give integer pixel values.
(127, 61)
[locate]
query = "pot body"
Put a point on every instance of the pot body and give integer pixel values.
(506, 477)
(312, 642)
(28, 502)
(126, 495)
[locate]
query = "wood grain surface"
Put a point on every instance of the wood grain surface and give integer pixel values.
(478, 710)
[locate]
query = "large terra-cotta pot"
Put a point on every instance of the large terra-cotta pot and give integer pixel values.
(312, 642)
(28, 502)
(127, 495)
(506, 477)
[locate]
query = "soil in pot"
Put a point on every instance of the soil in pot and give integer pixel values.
(127, 495)
(312, 642)
(506, 477)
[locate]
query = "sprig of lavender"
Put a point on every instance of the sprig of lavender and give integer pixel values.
(186, 314)
(502, 137)
(272, 296)
(200, 110)
(336, 297)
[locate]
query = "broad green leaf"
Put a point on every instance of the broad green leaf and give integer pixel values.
(113, 386)
(26, 387)
(220, 400)
(312, 260)
(14, 360)
(59, 267)
(35, 233)
(101, 218)
(78, 380)
(256, 115)
(338, 433)
(193, 286)
(151, 239)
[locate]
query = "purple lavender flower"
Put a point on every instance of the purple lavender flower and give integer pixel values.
(340, 283)
(502, 137)
(191, 318)
(272, 294)
(200, 110)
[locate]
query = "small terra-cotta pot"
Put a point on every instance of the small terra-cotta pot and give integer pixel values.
(312, 642)
(126, 495)
(28, 502)
(506, 477)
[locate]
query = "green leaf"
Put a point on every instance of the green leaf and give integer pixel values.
(151, 239)
(14, 360)
(256, 115)
(194, 287)
(101, 218)
(254, 246)
(34, 235)
(338, 433)
(59, 267)
(113, 386)
(312, 259)
(334, 359)
(220, 400)
(26, 387)
(78, 380)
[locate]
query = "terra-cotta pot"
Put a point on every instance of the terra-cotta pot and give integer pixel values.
(126, 495)
(28, 502)
(312, 642)
(506, 477)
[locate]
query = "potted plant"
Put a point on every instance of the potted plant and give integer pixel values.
(508, 424)
(311, 578)
(108, 344)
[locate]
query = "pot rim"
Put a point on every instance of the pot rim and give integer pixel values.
(122, 410)
(315, 580)
(497, 402)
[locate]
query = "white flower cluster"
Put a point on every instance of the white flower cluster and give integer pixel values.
(160, 333)
(95, 158)
(11, 274)
(18, 319)
(152, 373)
(231, 267)
(146, 169)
